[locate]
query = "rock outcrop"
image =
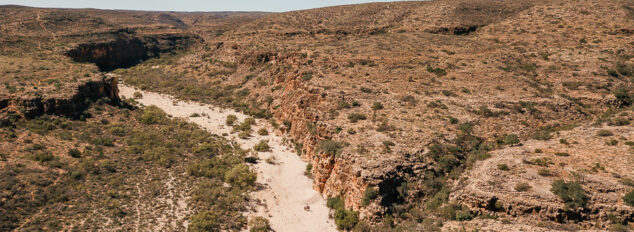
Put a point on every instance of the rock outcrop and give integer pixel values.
(67, 105)
(129, 49)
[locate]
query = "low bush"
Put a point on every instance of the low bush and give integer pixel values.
(231, 119)
(629, 198)
(152, 115)
(571, 193)
(74, 153)
(335, 202)
(263, 132)
(604, 133)
(43, 156)
(355, 117)
(204, 221)
(522, 187)
(308, 172)
(503, 167)
(563, 154)
(511, 139)
(623, 96)
(259, 224)
(345, 219)
(377, 106)
(330, 147)
(240, 176)
(544, 172)
(262, 146)
(369, 195)
(438, 71)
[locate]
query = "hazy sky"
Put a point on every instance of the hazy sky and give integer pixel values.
(189, 5)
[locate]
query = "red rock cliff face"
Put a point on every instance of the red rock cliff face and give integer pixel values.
(69, 105)
(345, 176)
(129, 49)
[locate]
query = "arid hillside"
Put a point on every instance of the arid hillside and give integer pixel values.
(414, 116)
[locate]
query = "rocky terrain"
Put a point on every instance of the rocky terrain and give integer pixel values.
(439, 115)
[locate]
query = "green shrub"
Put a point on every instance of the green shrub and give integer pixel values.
(204, 222)
(623, 96)
(194, 115)
(346, 219)
(438, 71)
(245, 125)
(259, 224)
(464, 215)
(231, 119)
(571, 193)
(263, 132)
(262, 146)
(207, 149)
(627, 181)
(366, 90)
(152, 115)
(629, 198)
(355, 117)
(308, 171)
(240, 176)
(74, 153)
(330, 147)
(542, 135)
(41, 125)
(503, 167)
(101, 141)
(118, 131)
(369, 195)
(161, 155)
(604, 133)
(377, 106)
(612, 142)
(563, 154)
(511, 139)
(453, 120)
(450, 211)
(42, 157)
(137, 95)
(335, 203)
(544, 172)
(522, 187)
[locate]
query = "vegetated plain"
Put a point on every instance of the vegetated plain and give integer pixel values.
(482, 114)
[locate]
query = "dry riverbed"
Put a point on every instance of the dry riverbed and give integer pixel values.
(285, 191)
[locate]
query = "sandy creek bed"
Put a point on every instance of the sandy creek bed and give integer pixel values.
(286, 190)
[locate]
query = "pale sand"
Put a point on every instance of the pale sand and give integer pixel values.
(287, 191)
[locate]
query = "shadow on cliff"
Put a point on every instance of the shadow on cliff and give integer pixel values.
(128, 49)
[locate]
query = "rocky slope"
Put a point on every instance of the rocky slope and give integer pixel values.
(408, 110)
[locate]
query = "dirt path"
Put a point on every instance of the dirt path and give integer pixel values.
(286, 190)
